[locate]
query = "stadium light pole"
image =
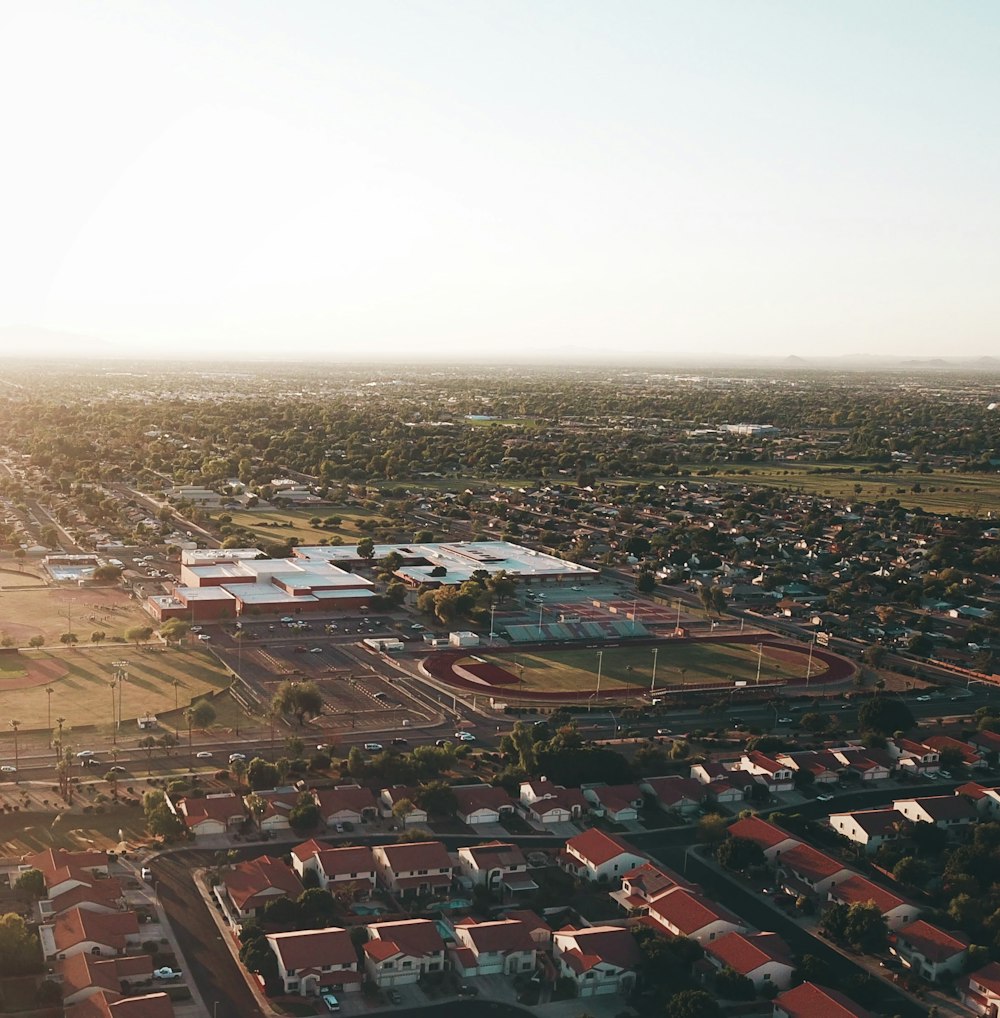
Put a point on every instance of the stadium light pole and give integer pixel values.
(600, 663)
(809, 666)
(493, 608)
(652, 681)
(760, 655)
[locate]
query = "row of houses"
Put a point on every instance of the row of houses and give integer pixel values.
(91, 940)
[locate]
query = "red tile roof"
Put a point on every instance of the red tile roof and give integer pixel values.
(52, 861)
(412, 937)
(80, 971)
(345, 799)
(763, 833)
(746, 952)
(80, 925)
(505, 935)
(470, 798)
(672, 788)
(988, 977)
(651, 880)
(812, 865)
(689, 911)
(597, 847)
(248, 879)
(107, 892)
(415, 855)
(857, 888)
(583, 949)
(935, 944)
(311, 949)
(808, 1000)
(221, 808)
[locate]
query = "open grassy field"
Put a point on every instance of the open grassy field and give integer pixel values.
(629, 667)
(80, 682)
(51, 611)
(273, 524)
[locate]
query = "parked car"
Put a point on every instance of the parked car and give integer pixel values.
(234, 757)
(400, 741)
(85, 754)
(824, 797)
(117, 769)
(204, 754)
(394, 997)
(166, 973)
(8, 769)
(784, 721)
(332, 1004)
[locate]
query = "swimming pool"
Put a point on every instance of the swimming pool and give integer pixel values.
(368, 909)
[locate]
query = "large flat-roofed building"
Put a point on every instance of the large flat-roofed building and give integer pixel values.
(459, 559)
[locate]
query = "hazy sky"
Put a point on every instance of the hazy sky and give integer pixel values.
(358, 178)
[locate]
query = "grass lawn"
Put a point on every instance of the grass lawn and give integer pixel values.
(630, 667)
(80, 682)
(272, 524)
(51, 611)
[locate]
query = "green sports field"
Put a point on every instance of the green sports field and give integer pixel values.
(677, 664)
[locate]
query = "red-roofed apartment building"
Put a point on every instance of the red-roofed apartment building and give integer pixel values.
(350, 803)
(929, 950)
(808, 1000)
(82, 975)
(619, 803)
(339, 869)
(496, 865)
(413, 868)
(599, 959)
(805, 870)
(401, 952)
(493, 948)
(764, 958)
(481, 804)
(251, 885)
(686, 912)
(773, 841)
(896, 910)
(595, 855)
(982, 994)
(314, 961)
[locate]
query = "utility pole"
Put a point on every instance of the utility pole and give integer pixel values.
(121, 677)
(652, 681)
(760, 654)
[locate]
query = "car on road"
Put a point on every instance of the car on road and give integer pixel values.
(924, 699)
(8, 769)
(394, 997)
(659, 731)
(321, 747)
(237, 757)
(468, 991)
(416, 627)
(287, 619)
(824, 797)
(945, 774)
(785, 721)
(195, 629)
(166, 973)
(315, 650)
(204, 754)
(441, 742)
(332, 1004)
(299, 649)
(204, 636)
(85, 754)
(399, 741)
(117, 769)
(465, 737)
(373, 747)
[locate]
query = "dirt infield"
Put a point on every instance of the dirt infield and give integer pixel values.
(51, 611)
(31, 673)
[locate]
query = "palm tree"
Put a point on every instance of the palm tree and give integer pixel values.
(257, 806)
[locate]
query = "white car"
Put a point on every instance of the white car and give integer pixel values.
(204, 754)
(824, 797)
(315, 650)
(8, 769)
(234, 757)
(287, 619)
(166, 973)
(85, 754)
(196, 629)
(373, 747)
(204, 636)
(465, 737)
(924, 699)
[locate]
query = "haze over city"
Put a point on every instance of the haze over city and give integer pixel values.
(316, 180)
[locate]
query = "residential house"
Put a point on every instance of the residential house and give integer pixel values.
(538, 929)
(346, 803)
(672, 793)
(810, 1000)
(686, 912)
(772, 839)
(210, 815)
(413, 868)
(401, 952)
(867, 764)
(96, 933)
(108, 1004)
(729, 777)
(929, 950)
(249, 886)
(897, 911)
(82, 975)
(56, 865)
(481, 804)
(503, 947)
(804, 870)
(599, 959)
(870, 828)
(644, 883)
(596, 855)
(971, 758)
(276, 805)
(764, 958)
(619, 803)
(311, 962)
(914, 757)
(342, 870)
(949, 812)
(766, 771)
(986, 743)
(982, 993)
(986, 800)
(389, 798)
(496, 865)
(824, 765)
(549, 803)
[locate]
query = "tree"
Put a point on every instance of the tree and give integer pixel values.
(148, 744)
(304, 815)
(693, 1004)
(20, 952)
(174, 630)
(366, 548)
(31, 883)
(712, 829)
(36, 641)
(645, 582)
(740, 854)
(258, 957)
(67, 638)
(815, 722)
(262, 774)
(885, 715)
(138, 634)
(317, 908)
(912, 871)
(300, 699)
(865, 928)
(238, 769)
(161, 821)
(733, 985)
(257, 805)
(202, 713)
(107, 574)
(402, 808)
(112, 779)
(437, 798)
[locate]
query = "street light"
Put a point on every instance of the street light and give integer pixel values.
(760, 655)
(600, 662)
(114, 725)
(809, 666)
(652, 681)
(493, 608)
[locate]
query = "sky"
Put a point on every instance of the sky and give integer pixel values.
(502, 179)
